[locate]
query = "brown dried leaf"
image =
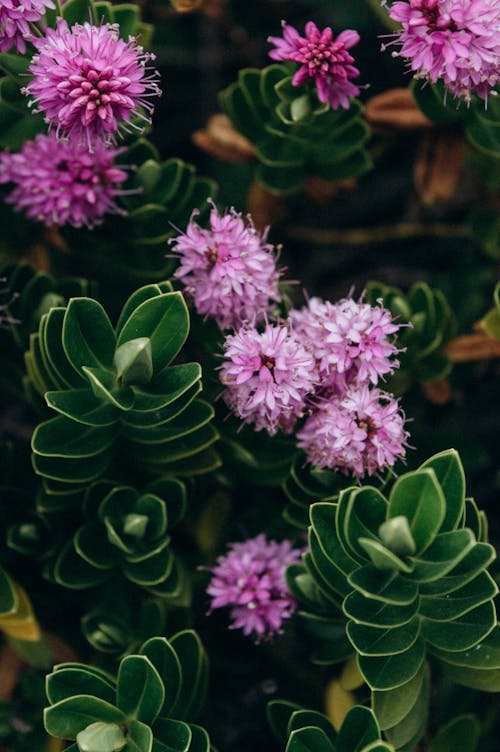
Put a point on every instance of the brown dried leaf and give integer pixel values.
(438, 166)
(221, 140)
(322, 191)
(10, 668)
(210, 7)
(395, 110)
(472, 347)
(437, 392)
(265, 207)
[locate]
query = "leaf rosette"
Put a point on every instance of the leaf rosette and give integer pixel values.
(410, 575)
(117, 391)
(148, 705)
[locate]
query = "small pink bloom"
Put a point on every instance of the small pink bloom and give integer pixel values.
(59, 184)
(268, 377)
(15, 19)
(89, 82)
(229, 269)
(351, 341)
(251, 580)
(457, 41)
(359, 434)
(323, 59)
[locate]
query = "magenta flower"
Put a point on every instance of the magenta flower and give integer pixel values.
(229, 269)
(58, 184)
(359, 434)
(251, 579)
(457, 41)
(267, 376)
(15, 19)
(351, 341)
(89, 83)
(322, 59)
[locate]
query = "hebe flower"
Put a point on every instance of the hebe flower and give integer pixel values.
(56, 183)
(89, 83)
(457, 41)
(251, 579)
(229, 269)
(361, 433)
(15, 19)
(349, 339)
(268, 376)
(322, 59)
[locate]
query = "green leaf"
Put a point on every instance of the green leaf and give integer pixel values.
(309, 739)
(358, 729)
(140, 693)
(387, 587)
(165, 660)
(383, 559)
(479, 590)
(76, 11)
(462, 733)
(87, 335)
(382, 641)
(360, 513)
(462, 633)
(450, 476)
(279, 713)
(165, 320)
(139, 738)
(302, 718)
(82, 406)
(133, 361)
(68, 682)
(68, 717)
(101, 737)
(392, 671)
(175, 735)
(376, 613)
(418, 497)
(193, 661)
(392, 706)
(411, 728)
(446, 551)
(61, 437)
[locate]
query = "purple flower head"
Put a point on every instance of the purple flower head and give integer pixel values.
(457, 41)
(251, 580)
(323, 59)
(229, 269)
(360, 434)
(89, 83)
(351, 341)
(15, 19)
(268, 376)
(58, 184)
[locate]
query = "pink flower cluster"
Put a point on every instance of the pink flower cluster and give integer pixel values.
(89, 83)
(322, 59)
(359, 433)
(59, 184)
(229, 269)
(268, 376)
(251, 580)
(324, 365)
(15, 19)
(457, 41)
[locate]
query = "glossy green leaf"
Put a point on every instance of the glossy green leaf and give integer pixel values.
(450, 475)
(165, 321)
(462, 733)
(309, 739)
(133, 361)
(139, 738)
(164, 658)
(461, 633)
(68, 717)
(358, 730)
(87, 335)
(383, 641)
(193, 661)
(140, 692)
(392, 671)
(418, 497)
(101, 737)
(392, 706)
(67, 682)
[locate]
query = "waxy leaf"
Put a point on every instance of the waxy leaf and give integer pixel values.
(140, 692)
